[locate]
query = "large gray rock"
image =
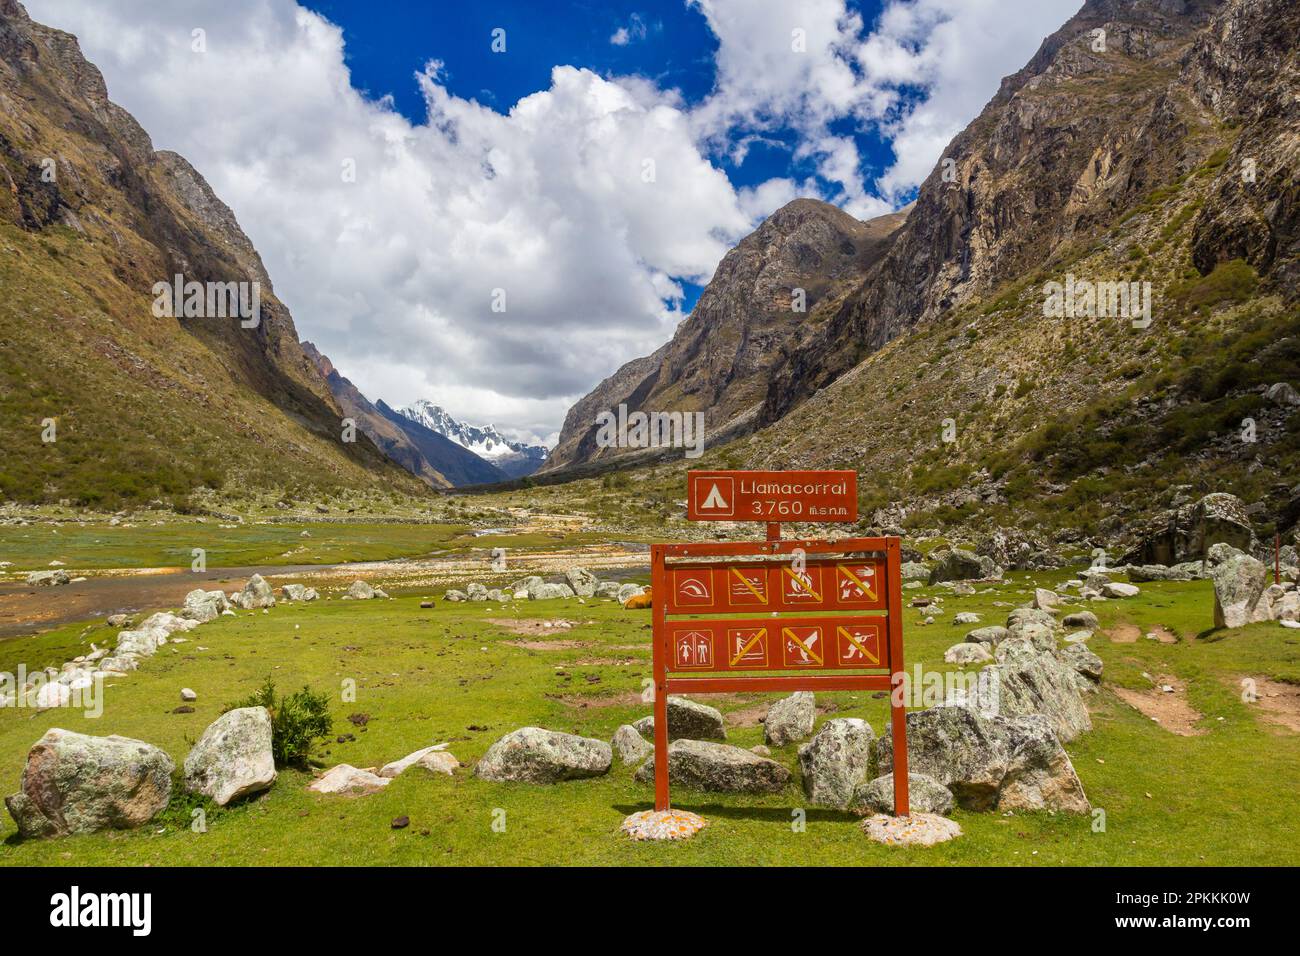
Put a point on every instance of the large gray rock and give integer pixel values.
(630, 746)
(992, 634)
(359, 591)
(913, 571)
(628, 591)
(686, 718)
(204, 606)
(835, 761)
(1083, 619)
(1142, 573)
(476, 591)
(1239, 583)
(790, 719)
(968, 652)
(1032, 681)
(299, 592)
(233, 757)
(924, 795)
(542, 591)
(256, 594)
(75, 783)
(608, 590)
(1082, 660)
(46, 579)
(1186, 533)
(534, 755)
(989, 762)
(719, 768)
(958, 564)
(582, 581)
(435, 759)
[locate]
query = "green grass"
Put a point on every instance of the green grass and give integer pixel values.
(426, 676)
(98, 545)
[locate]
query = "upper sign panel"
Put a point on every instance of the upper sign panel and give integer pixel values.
(772, 495)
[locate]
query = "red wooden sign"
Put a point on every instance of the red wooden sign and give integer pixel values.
(776, 644)
(835, 585)
(772, 495)
(730, 617)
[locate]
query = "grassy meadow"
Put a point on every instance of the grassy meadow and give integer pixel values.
(1225, 796)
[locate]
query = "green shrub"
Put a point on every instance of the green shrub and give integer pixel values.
(297, 722)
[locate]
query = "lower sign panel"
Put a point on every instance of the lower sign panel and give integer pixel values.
(773, 644)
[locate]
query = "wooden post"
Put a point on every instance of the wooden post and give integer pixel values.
(897, 705)
(658, 611)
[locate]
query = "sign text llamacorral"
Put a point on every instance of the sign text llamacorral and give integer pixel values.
(772, 496)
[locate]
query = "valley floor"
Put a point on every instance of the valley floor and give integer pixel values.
(1218, 792)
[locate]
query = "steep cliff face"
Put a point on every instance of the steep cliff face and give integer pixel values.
(1127, 97)
(768, 293)
(91, 218)
(1169, 161)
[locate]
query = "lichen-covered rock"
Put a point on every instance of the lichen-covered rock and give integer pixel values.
(255, 594)
(582, 581)
(75, 783)
(1033, 681)
(790, 719)
(719, 768)
(1142, 573)
(1186, 533)
(359, 591)
(1084, 619)
(1239, 582)
(1046, 600)
(914, 571)
(630, 746)
(968, 652)
(957, 564)
(993, 634)
(46, 579)
(1082, 659)
(204, 606)
(1119, 589)
(924, 795)
(835, 761)
(686, 719)
(454, 594)
(233, 757)
(966, 617)
(535, 755)
(628, 591)
(989, 762)
(608, 590)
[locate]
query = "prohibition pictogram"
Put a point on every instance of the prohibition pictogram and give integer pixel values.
(802, 646)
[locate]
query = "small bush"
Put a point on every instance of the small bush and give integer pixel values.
(297, 722)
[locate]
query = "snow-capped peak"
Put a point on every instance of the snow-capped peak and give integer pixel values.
(486, 441)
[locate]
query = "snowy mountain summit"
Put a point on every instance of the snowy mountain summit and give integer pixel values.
(514, 458)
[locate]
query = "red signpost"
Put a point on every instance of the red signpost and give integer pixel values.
(765, 591)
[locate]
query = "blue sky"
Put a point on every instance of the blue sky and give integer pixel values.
(401, 180)
(666, 41)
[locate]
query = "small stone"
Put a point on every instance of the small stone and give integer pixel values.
(663, 825)
(919, 829)
(187, 694)
(401, 823)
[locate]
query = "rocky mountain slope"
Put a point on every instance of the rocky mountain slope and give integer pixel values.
(514, 459)
(738, 335)
(1170, 158)
(387, 436)
(102, 400)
